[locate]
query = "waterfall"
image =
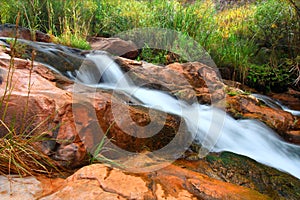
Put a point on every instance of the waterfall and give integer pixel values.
(245, 137)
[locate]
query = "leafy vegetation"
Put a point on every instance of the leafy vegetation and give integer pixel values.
(249, 38)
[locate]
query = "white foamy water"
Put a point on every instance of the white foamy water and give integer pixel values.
(275, 104)
(212, 128)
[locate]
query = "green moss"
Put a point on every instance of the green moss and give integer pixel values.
(244, 171)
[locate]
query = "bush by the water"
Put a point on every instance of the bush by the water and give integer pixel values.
(257, 40)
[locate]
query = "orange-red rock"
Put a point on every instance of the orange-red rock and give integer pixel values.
(115, 46)
(9, 30)
(100, 182)
(54, 109)
(192, 82)
(246, 106)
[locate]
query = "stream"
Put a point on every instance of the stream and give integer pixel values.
(212, 128)
(250, 138)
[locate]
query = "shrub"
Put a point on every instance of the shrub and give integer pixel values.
(266, 78)
(277, 34)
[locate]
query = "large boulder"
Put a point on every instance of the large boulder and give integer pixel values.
(191, 82)
(9, 30)
(115, 46)
(196, 82)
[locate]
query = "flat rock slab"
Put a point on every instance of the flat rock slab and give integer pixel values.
(15, 188)
(98, 181)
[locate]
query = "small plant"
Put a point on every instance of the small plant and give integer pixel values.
(21, 155)
(232, 93)
(69, 39)
(155, 56)
(96, 154)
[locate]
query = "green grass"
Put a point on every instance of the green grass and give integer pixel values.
(263, 33)
(97, 154)
(20, 154)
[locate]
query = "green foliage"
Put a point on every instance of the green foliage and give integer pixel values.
(69, 20)
(69, 39)
(154, 56)
(267, 77)
(159, 56)
(276, 27)
(265, 33)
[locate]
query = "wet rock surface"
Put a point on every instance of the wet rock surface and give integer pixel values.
(52, 110)
(245, 106)
(291, 98)
(243, 171)
(192, 82)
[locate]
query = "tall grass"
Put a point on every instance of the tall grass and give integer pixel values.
(263, 33)
(20, 151)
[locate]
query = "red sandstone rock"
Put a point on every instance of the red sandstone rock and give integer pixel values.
(249, 107)
(9, 30)
(100, 182)
(115, 46)
(291, 98)
(54, 108)
(47, 101)
(192, 82)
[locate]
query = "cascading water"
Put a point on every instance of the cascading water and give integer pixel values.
(246, 137)
(275, 104)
